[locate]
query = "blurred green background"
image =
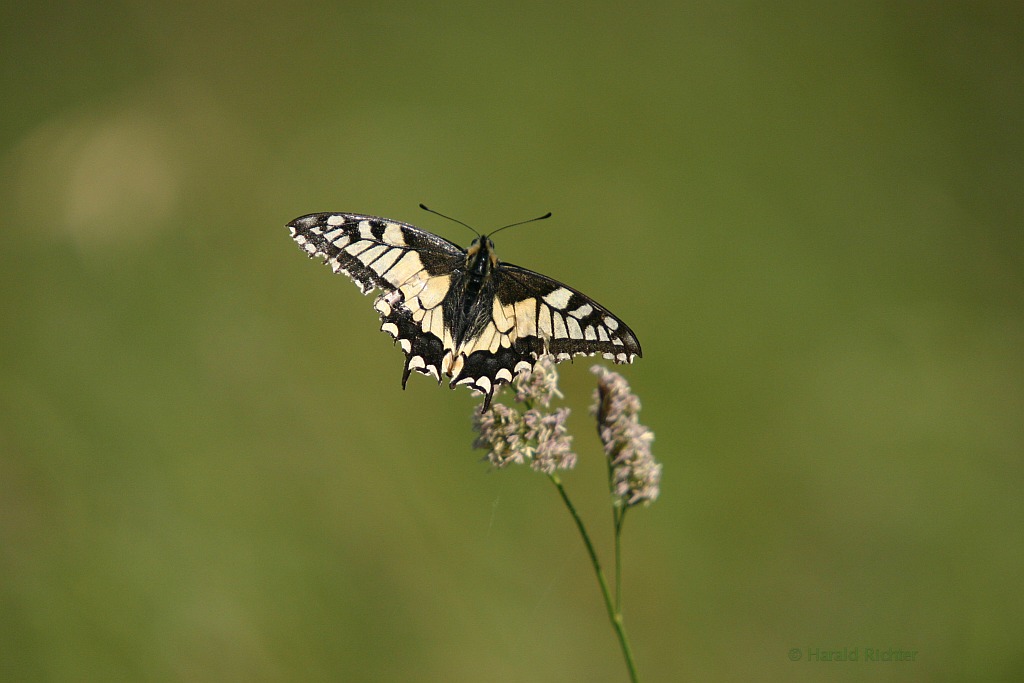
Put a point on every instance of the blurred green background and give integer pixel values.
(811, 215)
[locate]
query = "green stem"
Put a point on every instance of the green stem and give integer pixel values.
(619, 515)
(614, 614)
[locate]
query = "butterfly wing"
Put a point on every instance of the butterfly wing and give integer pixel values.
(532, 314)
(413, 267)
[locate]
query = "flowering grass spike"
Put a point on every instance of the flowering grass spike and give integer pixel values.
(635, 475)
(537, 435)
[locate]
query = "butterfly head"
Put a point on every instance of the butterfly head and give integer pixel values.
(480, 256)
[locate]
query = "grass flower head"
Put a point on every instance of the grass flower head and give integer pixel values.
(635, 474)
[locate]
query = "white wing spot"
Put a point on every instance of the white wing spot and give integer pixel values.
(416, 363)
(559, 298)
(370, 255)
(560, 331)
(329, 236)
(357, 248)
(574, 328)
(544, 321)
(602, 334)
(504, 374)
(406, 345)
(582, 312)
(589, 333)
(523, 366)
(393, 234)
(484, 384)
(611, 322)
(382, 264)
(366, 231)
(390, 328)
(336, 219)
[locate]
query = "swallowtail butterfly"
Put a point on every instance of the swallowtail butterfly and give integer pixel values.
(461, 312)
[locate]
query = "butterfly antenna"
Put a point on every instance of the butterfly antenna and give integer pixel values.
(512, 225)
(454, 220)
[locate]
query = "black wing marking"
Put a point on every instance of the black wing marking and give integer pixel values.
(414, 268)
(531, 315)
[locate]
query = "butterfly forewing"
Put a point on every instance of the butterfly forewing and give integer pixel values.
(377, 253)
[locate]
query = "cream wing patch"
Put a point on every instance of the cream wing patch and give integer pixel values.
(558, 298)
(526, 318)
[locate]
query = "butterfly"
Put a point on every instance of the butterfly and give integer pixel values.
(458, 312)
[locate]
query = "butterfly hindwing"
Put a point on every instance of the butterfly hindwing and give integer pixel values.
(533, 314)
(570, 322)
(461, 313)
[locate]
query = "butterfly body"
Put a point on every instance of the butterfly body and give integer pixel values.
(458, 312)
